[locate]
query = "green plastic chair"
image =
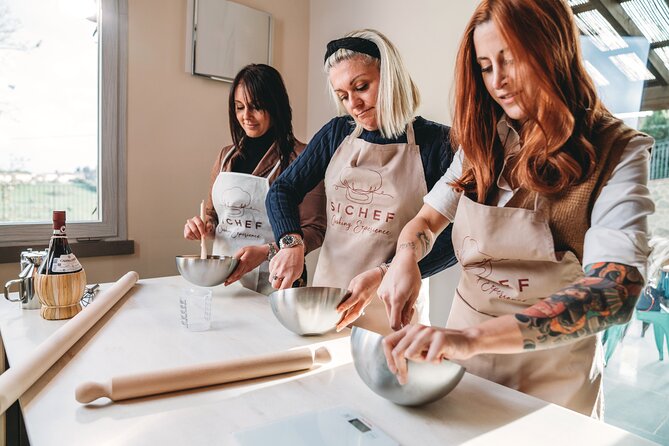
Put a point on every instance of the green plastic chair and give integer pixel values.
(611, 339)
(660, 322)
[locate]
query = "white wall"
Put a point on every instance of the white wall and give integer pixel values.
(427, 33)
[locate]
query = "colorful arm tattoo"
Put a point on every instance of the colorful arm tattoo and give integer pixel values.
(605, 297)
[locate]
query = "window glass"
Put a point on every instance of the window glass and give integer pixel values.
(656, 124)
(49, 155)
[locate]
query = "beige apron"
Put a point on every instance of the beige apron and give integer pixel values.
(508, 264)
(372, 191)
(239, 200)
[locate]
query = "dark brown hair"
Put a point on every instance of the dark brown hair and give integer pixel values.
(266, 91)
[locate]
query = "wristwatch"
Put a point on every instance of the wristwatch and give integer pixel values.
(288, 241)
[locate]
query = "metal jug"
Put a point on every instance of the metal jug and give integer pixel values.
(30, 262)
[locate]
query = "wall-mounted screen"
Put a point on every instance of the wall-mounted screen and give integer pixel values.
(226, 36)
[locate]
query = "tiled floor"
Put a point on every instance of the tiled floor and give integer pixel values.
(636, 387)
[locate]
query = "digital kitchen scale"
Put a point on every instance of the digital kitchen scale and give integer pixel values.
(339, 426)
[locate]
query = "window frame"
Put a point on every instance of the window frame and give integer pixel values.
(112, 129)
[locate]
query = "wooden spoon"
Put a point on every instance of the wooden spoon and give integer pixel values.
(203, 244)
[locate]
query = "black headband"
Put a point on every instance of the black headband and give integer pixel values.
(357, 44)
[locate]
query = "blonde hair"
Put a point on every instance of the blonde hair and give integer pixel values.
(398, 96)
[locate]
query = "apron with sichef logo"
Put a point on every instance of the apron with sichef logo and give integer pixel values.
(509, 263)
(372, 191)
(239, 200)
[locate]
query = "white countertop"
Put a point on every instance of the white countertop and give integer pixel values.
(142, 333)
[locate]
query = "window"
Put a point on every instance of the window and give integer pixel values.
(656, 124)
(62, 118)
(609, 24)
(626, 47)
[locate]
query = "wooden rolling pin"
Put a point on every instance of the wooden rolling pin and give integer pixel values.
(20, 377)
(202, 375)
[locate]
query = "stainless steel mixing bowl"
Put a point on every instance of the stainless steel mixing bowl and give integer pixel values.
(211, 271)
(308, 310)
(426, 382)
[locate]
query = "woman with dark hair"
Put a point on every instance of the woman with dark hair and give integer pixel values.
(548, 201)
(263, 147)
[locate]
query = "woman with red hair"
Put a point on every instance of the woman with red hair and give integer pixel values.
(548, 200)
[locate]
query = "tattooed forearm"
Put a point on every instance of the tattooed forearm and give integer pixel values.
(605, 297)
(424, 241)
(407, 245)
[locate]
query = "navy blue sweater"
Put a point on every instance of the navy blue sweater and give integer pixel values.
(303, 174)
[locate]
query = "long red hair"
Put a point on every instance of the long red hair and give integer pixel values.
(564, 107)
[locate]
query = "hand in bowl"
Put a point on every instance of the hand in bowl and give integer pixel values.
(421, 343)
(249, 258)
(363, 289)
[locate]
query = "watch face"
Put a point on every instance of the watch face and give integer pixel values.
(288, 239)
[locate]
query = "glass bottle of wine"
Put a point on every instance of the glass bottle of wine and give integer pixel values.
(61, 280)
(59, 258)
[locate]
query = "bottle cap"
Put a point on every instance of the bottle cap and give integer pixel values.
(58, 219)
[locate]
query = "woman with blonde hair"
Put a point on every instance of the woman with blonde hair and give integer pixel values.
(548, 201)
(377, 162)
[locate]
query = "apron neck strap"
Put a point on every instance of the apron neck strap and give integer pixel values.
(541, 205)
(411, 139)
(275, 169)
(233, 149)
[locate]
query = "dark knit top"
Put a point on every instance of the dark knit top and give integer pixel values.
(254, 150)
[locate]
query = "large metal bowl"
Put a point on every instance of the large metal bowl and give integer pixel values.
(427, 382)
(211, 271)
(308, 310)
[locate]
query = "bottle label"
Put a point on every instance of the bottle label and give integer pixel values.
(67, 263)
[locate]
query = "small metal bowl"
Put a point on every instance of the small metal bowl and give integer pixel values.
(308, 310)
(212, 271)
(426, 382)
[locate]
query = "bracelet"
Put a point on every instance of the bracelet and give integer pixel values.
(272, 251)
(384, 268)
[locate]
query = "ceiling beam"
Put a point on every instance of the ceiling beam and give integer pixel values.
(622, 23)
(655, 98)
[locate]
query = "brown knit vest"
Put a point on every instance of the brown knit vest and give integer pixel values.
(570, 210)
